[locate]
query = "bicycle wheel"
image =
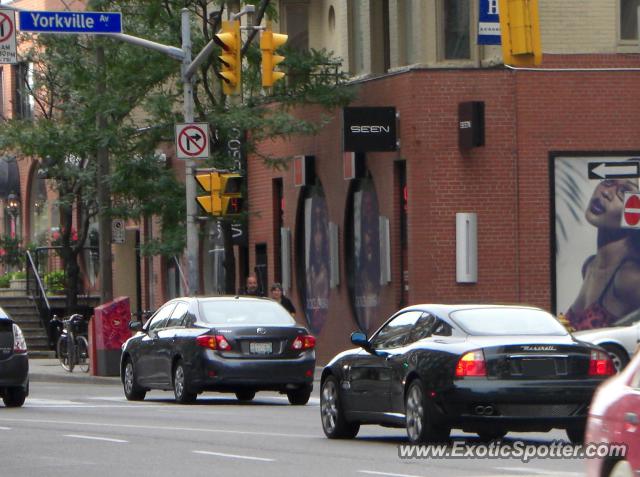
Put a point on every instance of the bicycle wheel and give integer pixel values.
(82, 353)
(63, 352)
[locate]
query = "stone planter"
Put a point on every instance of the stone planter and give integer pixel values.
(18, 284)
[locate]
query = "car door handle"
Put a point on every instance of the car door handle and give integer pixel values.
(631, 418)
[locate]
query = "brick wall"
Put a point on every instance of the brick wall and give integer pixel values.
(528, 114)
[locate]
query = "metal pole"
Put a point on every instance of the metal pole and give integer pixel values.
(192, 229)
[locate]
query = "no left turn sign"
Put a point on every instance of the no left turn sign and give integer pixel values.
(192, 141)
(631, 214)
(8, 54)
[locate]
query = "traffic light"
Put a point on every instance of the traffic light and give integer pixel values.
(231, 68)
(210, 182)
(232, 202)
(269, 43)
(520, 32)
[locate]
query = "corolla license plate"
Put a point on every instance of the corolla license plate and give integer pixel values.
(260, 348)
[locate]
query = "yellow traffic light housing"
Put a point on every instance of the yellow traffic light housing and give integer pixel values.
(231, 62)
(520, 32)
(210, 182)
(269, 43)
(232, 202)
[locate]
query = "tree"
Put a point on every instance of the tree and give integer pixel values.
(141, 105)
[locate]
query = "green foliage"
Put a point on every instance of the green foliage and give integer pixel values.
(5, 280)
(55, 282)
(12, 254)
(19, 275)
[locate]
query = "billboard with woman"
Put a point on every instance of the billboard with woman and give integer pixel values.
(597, 271)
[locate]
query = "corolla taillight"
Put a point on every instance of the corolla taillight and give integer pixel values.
(213, 342)
(600, 364)
(303, 343)
(471, 364)
(19, 343)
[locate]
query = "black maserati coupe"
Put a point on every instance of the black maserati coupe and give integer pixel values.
(227, 344)
(488, 369)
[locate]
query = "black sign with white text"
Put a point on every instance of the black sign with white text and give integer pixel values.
(369, 129)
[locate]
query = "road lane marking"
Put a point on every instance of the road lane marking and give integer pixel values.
(163, 428)
(555, 473)
(95, 438)
(373, 472)
(5, 428)
(234, 456)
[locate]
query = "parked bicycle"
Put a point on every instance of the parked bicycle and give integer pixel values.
(72, 348)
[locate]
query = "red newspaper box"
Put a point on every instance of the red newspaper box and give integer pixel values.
(108, 330)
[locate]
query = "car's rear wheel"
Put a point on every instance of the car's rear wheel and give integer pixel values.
(419, 417)
(334, 424)
(619, 356)
(299, 397)
(621, 469)
(132, 391)
(182, 394)
(15, 397)
(488, 435)
(576, 434)
(245, 395)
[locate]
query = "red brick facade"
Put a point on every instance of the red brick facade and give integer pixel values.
(528, 115)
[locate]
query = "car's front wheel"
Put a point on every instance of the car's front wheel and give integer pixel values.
(180, 391)
(132, 391)
(299, 397)
(334, 424)
(15, 397)
(619, 356)
(420, 423)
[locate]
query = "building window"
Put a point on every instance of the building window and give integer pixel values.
(295, 15)
(456, 29)
(629, 19)
(24, 100)
(39, 210)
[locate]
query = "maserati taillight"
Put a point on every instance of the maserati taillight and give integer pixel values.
(600, 364)
(471, 364)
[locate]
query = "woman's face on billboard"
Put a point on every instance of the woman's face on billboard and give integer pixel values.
(607, 202)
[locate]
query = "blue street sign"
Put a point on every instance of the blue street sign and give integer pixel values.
(70, 22)
(488, 23)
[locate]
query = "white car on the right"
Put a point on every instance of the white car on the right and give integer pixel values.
(620, 342)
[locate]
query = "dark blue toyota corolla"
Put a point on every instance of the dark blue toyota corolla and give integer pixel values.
(228, 344)
(14, 363)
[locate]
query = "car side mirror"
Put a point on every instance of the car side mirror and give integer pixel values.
(358, 338)
(135, 326)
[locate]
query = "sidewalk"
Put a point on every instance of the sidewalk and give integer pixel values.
(49, 370)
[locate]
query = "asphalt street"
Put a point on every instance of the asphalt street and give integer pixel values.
(77, 425)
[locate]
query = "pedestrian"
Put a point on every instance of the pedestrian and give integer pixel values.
(251, 288)
(277, 295)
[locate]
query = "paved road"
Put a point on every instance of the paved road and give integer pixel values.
(89, 429)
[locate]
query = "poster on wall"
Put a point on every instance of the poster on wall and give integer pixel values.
(316, 226)
(597, 266)
(366, 235)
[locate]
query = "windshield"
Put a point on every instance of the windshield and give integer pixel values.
(507, 321)
(241, 312)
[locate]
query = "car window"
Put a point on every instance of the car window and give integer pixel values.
(442, 329)
(397, 331)
(177, 315)
(244, 313)
(423, 327)
(159, 319)
(501, 321)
